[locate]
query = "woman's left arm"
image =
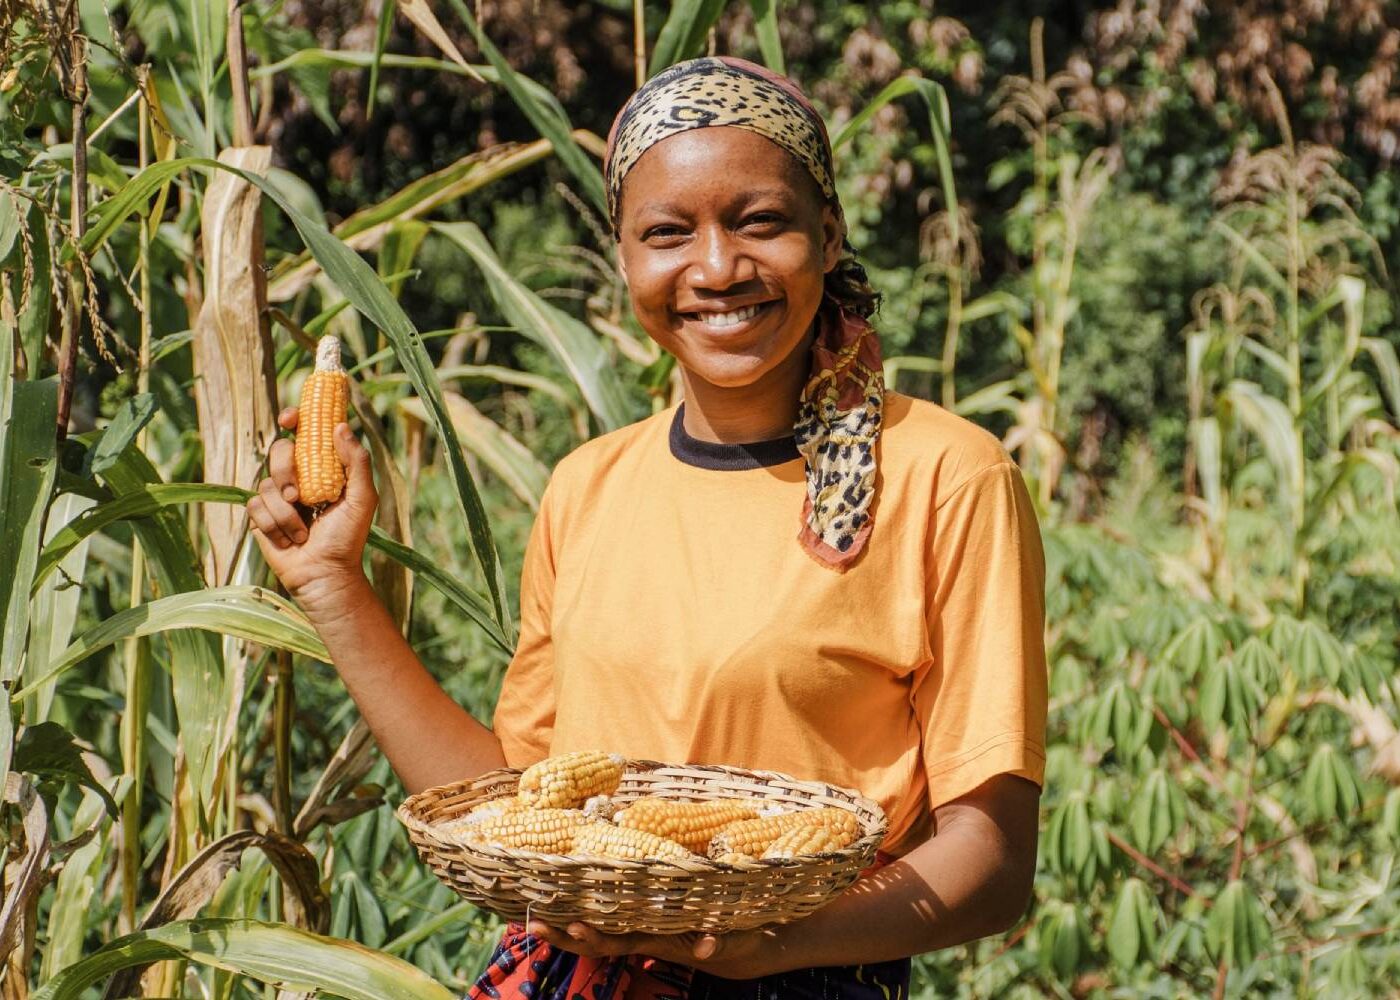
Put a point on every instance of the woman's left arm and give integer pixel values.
(971, 879)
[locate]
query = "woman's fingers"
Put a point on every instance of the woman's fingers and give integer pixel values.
(281, 467)
(266, 524)
(284, 516)
(287, 418)
(359, 474)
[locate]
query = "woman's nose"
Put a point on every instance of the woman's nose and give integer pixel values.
(719, 261)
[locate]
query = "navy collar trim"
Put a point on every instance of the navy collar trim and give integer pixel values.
(728, 457)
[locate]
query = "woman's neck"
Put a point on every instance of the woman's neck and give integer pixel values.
(763, 411)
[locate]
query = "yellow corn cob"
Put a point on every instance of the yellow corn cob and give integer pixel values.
(569, 780)
(753, 836)
(478, 814)
(548, 830)
(735, 858)
(324, 397)
(814, 839)
(690, 824)
(622, 842)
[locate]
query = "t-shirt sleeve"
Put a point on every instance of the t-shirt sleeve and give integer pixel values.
(981, 699)
(524, 718)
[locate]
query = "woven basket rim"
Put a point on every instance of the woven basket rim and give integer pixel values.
(407, 814)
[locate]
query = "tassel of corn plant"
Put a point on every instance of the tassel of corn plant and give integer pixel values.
(324, 399)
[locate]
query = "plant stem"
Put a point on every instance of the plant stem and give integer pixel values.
(137, 650)
(639, 41)
(68, 347)
(1152, 866)
(283, 713)
(238, 76)
(950, 334)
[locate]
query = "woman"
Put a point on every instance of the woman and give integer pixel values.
(794, 570)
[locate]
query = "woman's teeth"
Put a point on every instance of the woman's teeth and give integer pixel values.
(721, 320)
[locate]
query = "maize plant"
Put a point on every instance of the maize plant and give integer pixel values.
(190, 805)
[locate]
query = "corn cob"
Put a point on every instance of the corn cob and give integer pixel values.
(569, 780)
(690, 824)
(735, 858)
(621, 842)
(478, 814)
(548, 830)
(816, 839)
(324, 398)
(753, 836)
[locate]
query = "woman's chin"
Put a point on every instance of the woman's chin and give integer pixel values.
(730, 372)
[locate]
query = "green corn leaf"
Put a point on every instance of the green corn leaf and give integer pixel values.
(1271, 423)
(544, 112)
(140, 501)
(576, 348)
(495, 446)
(271, 953)
(78, 883)
(47, 752)
(683, 35)
(382, 28)
(1387, 364)
(940, 125)
(197, 664)
(1252, 254)
(34, 320)
(1390, 816)
(133, 414)
(358, 282)
(765, 17)
(28, 468)
(147, 500)
(251, 613)
(468, 601)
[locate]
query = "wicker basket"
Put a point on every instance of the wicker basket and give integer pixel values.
(644, 896)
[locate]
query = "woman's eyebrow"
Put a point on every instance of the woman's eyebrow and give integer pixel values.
(743, 198)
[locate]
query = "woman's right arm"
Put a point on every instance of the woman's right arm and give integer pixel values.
(428, 738)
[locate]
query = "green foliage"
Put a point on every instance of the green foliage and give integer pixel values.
(1199, 378)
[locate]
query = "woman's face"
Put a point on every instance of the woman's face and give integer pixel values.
(724, 242)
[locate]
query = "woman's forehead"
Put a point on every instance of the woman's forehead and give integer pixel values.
(720, 159)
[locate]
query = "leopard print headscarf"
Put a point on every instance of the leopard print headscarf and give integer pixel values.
(839, 415)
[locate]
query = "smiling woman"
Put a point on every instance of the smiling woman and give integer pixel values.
(710, 585)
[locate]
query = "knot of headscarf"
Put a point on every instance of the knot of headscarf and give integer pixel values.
(839, 413)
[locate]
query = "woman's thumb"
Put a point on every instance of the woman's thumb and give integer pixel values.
(359, 476)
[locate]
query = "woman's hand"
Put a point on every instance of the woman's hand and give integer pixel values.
(314, 561)
(738, 955)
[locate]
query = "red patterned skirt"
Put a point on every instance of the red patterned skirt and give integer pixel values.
(525, 966)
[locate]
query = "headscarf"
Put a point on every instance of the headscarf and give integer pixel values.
(840, 409)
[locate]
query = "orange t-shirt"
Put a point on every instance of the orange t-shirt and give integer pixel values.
(668, 612)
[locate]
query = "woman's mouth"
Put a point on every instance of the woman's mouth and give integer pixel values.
(728, 320)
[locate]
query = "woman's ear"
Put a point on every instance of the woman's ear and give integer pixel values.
(833, 237)
(621, 263)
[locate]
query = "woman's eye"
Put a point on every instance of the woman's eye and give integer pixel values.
(764, 220)
(661, 233)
